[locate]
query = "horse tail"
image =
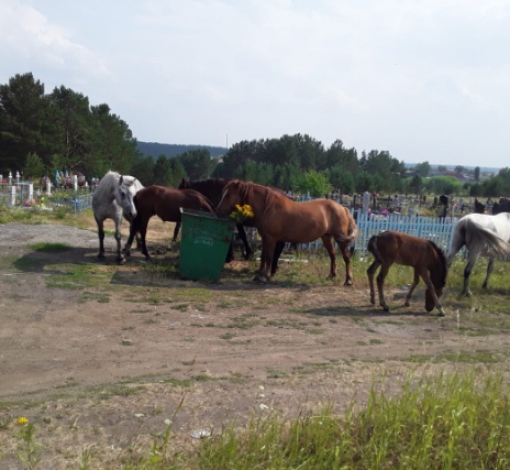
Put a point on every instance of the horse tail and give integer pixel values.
(352, 228)
(489, 241)
(372, 248)
(458, 239)
(441, 281)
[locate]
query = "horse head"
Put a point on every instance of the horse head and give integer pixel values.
(124, 194)
(438, 276)
(184, 184)
(235, 192)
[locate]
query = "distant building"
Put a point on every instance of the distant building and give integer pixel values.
(460, 177)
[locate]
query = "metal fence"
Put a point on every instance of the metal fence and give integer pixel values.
(437, 229)
(25, 196)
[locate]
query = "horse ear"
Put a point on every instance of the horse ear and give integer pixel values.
(120, 180)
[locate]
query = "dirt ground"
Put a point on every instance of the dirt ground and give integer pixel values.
(99, 370)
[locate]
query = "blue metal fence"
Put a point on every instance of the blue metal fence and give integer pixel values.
(437, 229)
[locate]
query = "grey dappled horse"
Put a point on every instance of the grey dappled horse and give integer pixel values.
(482, 235)
(113, 199)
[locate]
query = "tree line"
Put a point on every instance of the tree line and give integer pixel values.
(41, 132)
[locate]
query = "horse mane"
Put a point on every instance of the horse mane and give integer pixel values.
(441, 280)
(105, 187)
(197, 193)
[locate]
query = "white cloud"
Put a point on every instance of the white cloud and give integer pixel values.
(386, 74)
(31, 39)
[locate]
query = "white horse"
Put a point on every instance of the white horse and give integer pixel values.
(482, 234)
(112, 199)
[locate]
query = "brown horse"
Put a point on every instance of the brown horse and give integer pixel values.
(279, 218)
(166, 204)
(427, 259)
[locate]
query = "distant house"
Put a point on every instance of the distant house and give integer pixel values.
(460, 177)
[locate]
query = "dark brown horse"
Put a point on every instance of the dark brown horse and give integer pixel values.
(212, 188)
(427, 259)
(479, 207)
(166, 204)
(279, 218)
(503, 205)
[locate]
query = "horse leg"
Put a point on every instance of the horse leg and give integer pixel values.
(327, 241)
(426, 279)
(277, 252)
(248, 251)
(133, 232)
(143, 233)
(176, 231)
(370, 274)
(138, 226)
(490, 268)
(347, 256)
(416, 280)
(230, 253)
(380, 286)
(268, 247)
(120, 256)
(472, 258)
(100, 234)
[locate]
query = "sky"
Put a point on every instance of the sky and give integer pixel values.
(426, 80)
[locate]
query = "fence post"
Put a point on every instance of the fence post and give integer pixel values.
(30, 191)
(13, 196)
(48, 187)
(75, 182)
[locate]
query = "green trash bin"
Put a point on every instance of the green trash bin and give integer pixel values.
(205, 241)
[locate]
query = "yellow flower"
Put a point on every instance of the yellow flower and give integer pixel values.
(22, 420)
(241, 213)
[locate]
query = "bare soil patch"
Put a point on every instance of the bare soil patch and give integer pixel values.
(100, 368)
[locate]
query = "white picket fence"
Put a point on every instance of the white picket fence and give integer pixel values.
(437, 229)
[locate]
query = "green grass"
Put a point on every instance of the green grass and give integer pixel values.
(77, 276)
(447, 422)
(51, 247)
(472, 357)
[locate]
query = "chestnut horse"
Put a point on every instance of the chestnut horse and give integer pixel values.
(279, 218)
(166, 204)
(427, 259)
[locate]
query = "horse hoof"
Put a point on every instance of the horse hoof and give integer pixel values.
(348, 283)
(441, 312)
(101, 256)
(121, 260)
(407, 304)
(260, 278)
(372, 301)
(386, 308)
